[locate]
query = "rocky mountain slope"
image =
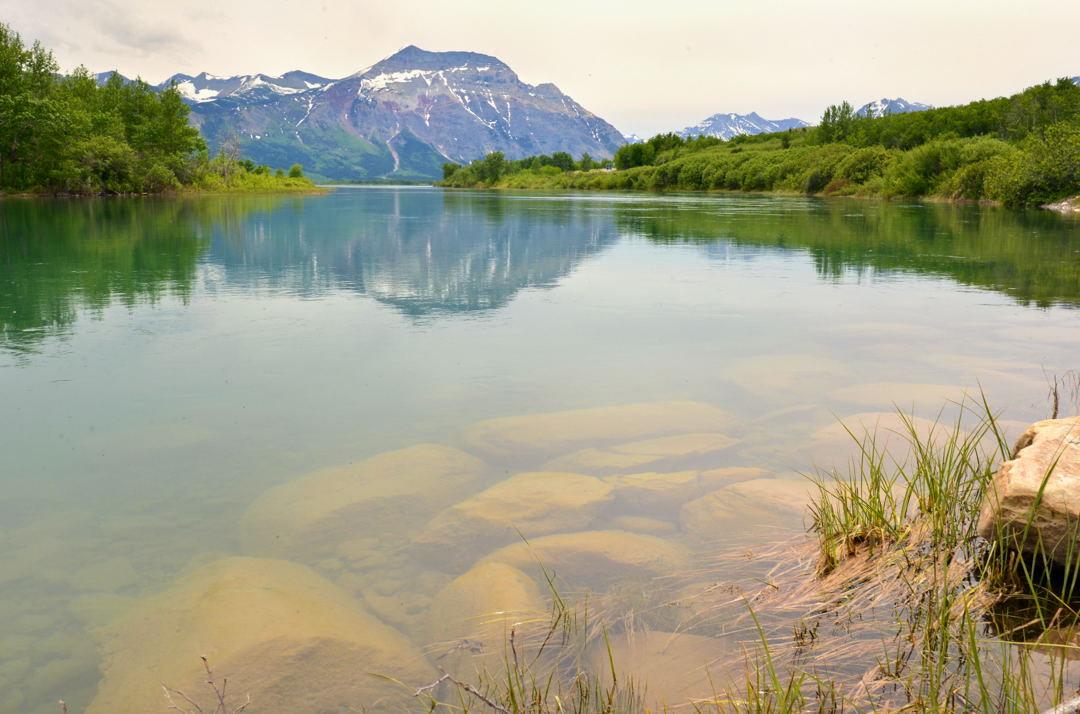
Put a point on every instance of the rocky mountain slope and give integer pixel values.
(726, 126)
(401, 118)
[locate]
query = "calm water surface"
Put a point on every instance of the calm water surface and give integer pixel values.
(164, 363)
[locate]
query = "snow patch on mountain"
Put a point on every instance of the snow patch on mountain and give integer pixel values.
(884, 106)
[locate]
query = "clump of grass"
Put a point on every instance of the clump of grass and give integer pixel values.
(904, 597)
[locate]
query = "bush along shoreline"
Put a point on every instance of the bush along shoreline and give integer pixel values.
(1022, 150)
(69, 135)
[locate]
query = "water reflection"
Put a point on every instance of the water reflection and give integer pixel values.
(429, 253)
(1033, 256)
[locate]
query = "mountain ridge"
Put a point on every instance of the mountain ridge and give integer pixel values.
(402, 117)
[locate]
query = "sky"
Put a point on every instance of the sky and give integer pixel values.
(646, 67)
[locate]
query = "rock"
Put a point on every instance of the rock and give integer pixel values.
(641, 524)
(553, 434)
(717, 516)
(311, 516)
(660, 492)
(832, 447)
(595, 557)
(641, 453)
(470, 619)
(1066, 205)
(532, 504)
(1039, 486)
(672, 669)
(278, 631)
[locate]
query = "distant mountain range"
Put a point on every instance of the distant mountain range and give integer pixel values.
(883, 106)
(726, 126)
(401, 118)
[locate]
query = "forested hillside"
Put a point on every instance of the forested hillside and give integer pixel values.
(68, 134)
(1019, 150)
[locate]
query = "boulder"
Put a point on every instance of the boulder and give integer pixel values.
(389, 493)
(1033, 503)
(595, 558)
(635, 454)
(278, 631)
(664, 492)
(554, 434)
(529, 504)
(469, 621)
(717, 516)
(670, 670)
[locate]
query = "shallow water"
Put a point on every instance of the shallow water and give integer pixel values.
(165, 363)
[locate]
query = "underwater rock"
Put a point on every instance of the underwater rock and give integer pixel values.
(839, 444)
(528, 504)
(470, 619)
(641, 524)
(278, 631)
(659, 492)
(388, 493)
(553, 434)
(641, 453)
(594, 557)
(669, 670)
(1033, 503)
(716, 515)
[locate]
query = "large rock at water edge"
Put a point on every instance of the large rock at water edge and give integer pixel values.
(1033, 502)
(278, 631)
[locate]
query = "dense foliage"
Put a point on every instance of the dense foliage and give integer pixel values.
(68, 134)
(495, 167)
(1019, 150)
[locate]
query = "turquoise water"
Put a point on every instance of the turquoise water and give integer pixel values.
(164, 362)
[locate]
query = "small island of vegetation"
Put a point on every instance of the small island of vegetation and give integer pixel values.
(1022, 150)
(68, 134)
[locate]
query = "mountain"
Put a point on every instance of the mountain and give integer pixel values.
(401, 118)
(206, 87)
(883, 106)
(726, 126)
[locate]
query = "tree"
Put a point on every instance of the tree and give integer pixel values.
(492, 168)
(836, 123)
(296, 171)
(563, 160)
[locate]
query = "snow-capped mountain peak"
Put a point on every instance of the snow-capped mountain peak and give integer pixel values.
(205, 87)
(883, 106)
(726, 126)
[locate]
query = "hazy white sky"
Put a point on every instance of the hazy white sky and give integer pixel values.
(643, 66)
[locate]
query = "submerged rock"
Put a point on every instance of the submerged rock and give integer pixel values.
(529, 505)
(278, 631)
(1033, 502)
(641, 453)
(659, 492)
(470, 619)
(388, 493)
(669, 670)
(717, 515)
(595, 557)
(553, 434)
